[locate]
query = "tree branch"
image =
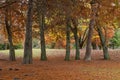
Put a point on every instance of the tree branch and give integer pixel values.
(3, 5)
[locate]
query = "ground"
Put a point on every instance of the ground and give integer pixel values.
(58, 69)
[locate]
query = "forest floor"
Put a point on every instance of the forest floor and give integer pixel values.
(58, 69)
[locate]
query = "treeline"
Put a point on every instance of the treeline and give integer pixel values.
(22, 19)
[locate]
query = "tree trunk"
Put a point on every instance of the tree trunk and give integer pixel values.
(28, 36)
(88, 47)
(41, 8)
(77, 56)
(74, 30)
(42, 37)
(103, 42)
(9, 32)
(67, 56)
(94, 13)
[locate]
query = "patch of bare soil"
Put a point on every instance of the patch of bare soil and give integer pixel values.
(58, 69)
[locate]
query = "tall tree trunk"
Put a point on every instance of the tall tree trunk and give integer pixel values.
(42, 37)
(94, 7)
(41, 8)
(28, 36)
(103, 42)
(88, 47)
(77, 56)
(74, 30)
(9, 33)
(67, 56)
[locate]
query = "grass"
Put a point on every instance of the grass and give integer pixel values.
(19, 52)
(36, 52)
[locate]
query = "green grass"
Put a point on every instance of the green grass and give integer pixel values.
(19, 52)
(36, 52)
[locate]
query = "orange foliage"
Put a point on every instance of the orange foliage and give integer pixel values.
(55, 18)
(108, 33)
(16, 20)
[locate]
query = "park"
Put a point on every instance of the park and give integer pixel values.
(59, 39)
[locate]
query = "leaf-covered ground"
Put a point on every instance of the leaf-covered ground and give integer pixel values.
(58, 69)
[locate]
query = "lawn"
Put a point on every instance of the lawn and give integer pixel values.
(36, 52)
(58, 69)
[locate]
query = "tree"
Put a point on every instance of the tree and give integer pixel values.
(68, 24)
(94, 8)
(9, 33)
(16, 18)
(75, 32)
(41, 10)
(28, 36)
(103, 42)
(12, 24)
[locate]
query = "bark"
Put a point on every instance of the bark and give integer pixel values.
(67, 56)
(42, 37)
(94, 13)
(74, 30)
(88, 47)
(9, 33)
(41, 19)
(77, 56)
(103, 42)
(28, 36)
